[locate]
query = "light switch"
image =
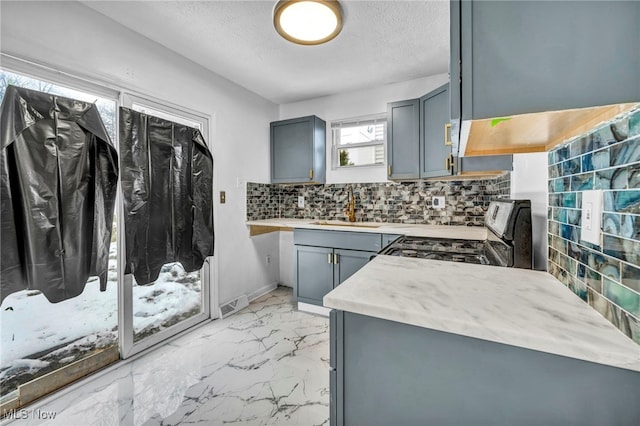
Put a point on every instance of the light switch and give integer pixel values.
(591, 216)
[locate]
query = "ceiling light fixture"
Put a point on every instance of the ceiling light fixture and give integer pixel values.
(308, 22)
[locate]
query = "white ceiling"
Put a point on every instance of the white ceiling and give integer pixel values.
(382, 42)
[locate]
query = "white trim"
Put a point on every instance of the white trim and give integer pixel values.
(173, 112)
(44, 72)
(129, 347)
(262, 291)
(313, 309)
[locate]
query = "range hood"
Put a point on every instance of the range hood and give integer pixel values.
(534, 132)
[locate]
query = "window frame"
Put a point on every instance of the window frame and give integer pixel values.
(336, 146)
(125, 97)
(129, 346)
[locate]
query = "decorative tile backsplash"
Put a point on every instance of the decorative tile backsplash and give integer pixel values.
(607, 276)
(397, 202)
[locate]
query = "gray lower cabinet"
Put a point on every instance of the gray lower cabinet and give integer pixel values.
(298, 150)
(387, 373)
(389, 238)
(325, 259)
(347, 263)
(314, 274)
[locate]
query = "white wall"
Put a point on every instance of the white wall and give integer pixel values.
(349, 105)
(529, 181)
(73, 38)
(286, 259)
(357, 104)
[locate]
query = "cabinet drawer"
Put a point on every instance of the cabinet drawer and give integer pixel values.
(338, 239)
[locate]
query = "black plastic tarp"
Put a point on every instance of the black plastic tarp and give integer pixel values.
(167, 182)
(58, 180)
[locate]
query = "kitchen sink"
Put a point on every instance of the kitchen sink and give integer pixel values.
(349, 224)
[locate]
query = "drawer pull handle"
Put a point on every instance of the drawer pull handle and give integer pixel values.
(447, 134)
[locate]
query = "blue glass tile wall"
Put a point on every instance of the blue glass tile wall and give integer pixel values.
(605, 276)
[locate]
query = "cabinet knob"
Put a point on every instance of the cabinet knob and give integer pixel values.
(447, 134)
(336, 259)
(310, 173)
(389, 169)
(329, 258)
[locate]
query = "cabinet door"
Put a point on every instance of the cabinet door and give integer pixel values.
(292, 150)
(403, 139)
(435, 143)
(388, 238)
(348, 262)
(531, 56)
(314, 273)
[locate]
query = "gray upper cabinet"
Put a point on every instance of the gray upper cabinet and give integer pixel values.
(298, 150)
(435, 145)
(519, 57)
(417, 144)
(403, 139)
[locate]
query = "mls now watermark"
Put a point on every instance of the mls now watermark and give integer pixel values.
(28, 414)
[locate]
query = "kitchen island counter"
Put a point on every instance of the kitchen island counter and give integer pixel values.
(518, 307)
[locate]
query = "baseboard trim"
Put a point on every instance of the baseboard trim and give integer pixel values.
(313, 309)
(262, 291)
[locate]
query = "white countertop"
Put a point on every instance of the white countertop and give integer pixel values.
(524, 308)
(414, 230)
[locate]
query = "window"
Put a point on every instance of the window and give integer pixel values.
(39, 338)
(74, 337)
(359, 142)
(180, 299)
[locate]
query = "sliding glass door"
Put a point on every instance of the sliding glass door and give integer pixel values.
(178, 299)
(45, 346)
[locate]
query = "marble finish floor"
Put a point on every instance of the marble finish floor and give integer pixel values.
(265, 365)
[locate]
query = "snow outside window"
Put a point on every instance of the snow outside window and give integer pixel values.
(176, 295)
(359, 142)
(38, 337)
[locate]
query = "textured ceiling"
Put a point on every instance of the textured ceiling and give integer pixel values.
(382, 42)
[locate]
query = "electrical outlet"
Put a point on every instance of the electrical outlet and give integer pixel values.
(438, 202)
(301, 201)
(591, 216)
(223, 197)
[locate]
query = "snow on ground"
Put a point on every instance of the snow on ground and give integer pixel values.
(33, 331)
(33, 324)
(30, 365)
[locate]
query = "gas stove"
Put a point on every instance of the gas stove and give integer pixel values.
(439, 249)
(508, 244)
